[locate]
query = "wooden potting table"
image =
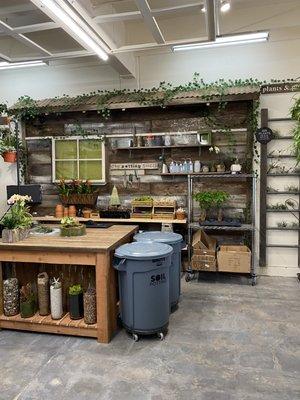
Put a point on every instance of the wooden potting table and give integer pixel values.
(94, 249)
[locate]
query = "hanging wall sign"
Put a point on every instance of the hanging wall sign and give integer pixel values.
(264, 135)
(286, 87)
(126, 166)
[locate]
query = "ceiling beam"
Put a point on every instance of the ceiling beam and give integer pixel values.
(210, 21)
(156, 12)
(23, 39)
(124, 64)
(55, 56)
(16, 8)
(150, 21)
(43, 26)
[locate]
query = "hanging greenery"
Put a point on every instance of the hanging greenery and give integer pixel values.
(295, 113)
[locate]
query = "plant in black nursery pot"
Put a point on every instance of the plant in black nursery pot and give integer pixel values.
(76, 302)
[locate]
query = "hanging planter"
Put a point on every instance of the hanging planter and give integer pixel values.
(10, 156)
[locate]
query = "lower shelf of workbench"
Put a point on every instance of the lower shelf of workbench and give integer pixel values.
(38, 323)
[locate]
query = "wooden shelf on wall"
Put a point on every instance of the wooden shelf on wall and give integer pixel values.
(275, 228)
(177, 146)
(49, 218)
(38, 323)
(242, 228)
(291, 211)
(224, 175)
(289, 193)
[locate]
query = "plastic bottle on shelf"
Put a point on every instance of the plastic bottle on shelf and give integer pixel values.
(197, 166)
(176, 168)
(171, 167)
(190, 166)
(180, 168)
(185, 167)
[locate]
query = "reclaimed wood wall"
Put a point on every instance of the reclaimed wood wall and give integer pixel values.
(144, 120)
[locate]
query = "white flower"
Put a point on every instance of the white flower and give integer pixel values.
(211, 149)
(18, 198)
(215, 149)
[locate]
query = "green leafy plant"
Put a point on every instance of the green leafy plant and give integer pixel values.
(211, 199)
(277, 206)
(295, 114)
(8, 141)
(75, 187)
(292, 188)
(69, 222)
(75, 290)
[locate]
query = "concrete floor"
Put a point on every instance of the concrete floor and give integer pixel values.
(227, 341)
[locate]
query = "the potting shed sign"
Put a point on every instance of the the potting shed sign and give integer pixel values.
(131, 166)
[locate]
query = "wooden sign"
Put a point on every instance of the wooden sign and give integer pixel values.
(132, 166)
(264, 135)
(286, 87)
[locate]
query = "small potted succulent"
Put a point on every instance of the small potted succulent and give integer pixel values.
(28, 303)
(71, 227)
(8, 146)
(17, 221)
(76, 302)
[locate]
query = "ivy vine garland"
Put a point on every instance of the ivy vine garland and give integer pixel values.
(295, 114)
(27, 108)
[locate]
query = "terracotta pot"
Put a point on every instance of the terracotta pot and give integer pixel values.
(66, 211)
(72, 211)
(10, 156)
(86, 213)
(59, 211)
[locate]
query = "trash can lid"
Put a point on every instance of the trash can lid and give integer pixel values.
(143, 250)
(160, 237)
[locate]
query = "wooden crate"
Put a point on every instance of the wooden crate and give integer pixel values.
(198, 265)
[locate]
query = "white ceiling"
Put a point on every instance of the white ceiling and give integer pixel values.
(27, 32)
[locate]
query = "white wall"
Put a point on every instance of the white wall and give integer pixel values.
(8, 176)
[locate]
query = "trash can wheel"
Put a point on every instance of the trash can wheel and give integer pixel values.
(135, 337)
(161, 335)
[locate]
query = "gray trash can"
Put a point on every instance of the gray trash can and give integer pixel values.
(176, 241)
(144, 287)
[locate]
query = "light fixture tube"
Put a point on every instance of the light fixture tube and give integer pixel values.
(243, 38)
(67, 20)
(25, 64)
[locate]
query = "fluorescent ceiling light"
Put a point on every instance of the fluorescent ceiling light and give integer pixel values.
(67, 20)
(225, 6)
(25, 64)
(243, 38)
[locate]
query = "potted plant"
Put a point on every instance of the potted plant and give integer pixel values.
(210, 199)
(71, 227)
(17, 221)
(77, 192)
(220, 197)
(8, 146)
(76, 301)
(28, 304)
(205, 201)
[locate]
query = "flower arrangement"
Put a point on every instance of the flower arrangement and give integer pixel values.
(17, 220)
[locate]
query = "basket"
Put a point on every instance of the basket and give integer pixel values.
(79, 199)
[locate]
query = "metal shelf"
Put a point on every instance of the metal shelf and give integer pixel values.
(280, 119)
(281, 156)
(284, 138)
(290, 193)
(274, 228)
(284, 175)
(291, 211)
(289, 246)
(242, 228)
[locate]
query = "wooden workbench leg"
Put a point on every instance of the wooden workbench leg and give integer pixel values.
(105, 288)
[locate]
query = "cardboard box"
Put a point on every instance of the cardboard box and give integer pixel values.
(234, 259)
